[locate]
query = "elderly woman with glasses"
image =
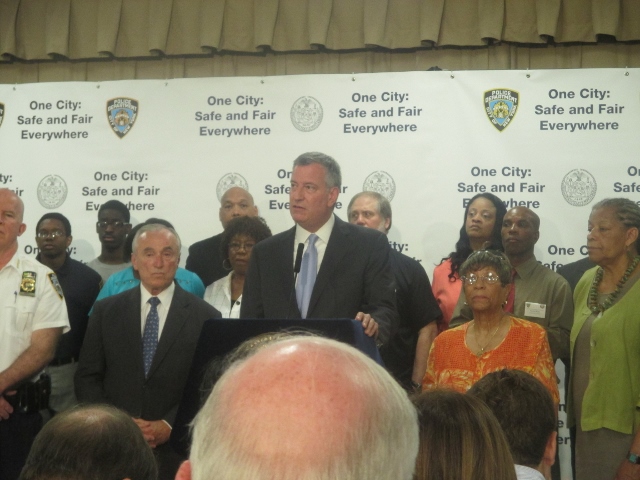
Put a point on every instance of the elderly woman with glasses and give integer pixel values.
(494, 340)
(238, 239)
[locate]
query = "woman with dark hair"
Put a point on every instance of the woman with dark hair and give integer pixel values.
(238, 239)
(460, 439)
(480, 230)
(604, 390)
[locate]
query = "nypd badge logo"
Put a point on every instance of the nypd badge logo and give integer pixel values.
(122, 114)
(501, 106)
(306, 114)
(380, 182)
(52, 191)
(1, 113)
(28, 284)
(579, 187)
(228, 181)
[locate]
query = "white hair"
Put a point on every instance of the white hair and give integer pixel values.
(154, 227)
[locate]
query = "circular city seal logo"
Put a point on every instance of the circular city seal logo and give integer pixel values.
(579, 187)
(228, 181)
(306, 114)
(52, 191)
(380, 182)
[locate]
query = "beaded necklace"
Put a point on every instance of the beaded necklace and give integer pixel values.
(593, 304)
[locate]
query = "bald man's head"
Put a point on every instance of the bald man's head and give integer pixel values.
(520, 232)
(236, 202)
(11, 215)
(303, 408)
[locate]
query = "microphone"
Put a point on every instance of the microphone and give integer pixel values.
(296, 266)
(296, 271)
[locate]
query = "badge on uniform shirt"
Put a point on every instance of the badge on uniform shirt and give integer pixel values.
(28, 284)
(536, 310)
(56, 284)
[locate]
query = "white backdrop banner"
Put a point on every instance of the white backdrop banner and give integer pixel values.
(556, 141)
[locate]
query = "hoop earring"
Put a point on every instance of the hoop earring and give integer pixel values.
(224, 264)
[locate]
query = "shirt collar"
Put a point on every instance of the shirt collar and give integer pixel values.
(164, 296)
(526, 269)
(14, 262)
(323, 233)
(528, 473)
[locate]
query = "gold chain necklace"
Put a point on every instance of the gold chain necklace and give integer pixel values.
(475, 334)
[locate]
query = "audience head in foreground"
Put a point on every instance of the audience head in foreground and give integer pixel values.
(460, 439)
(526, 412)
(98, 442)
(304, 408)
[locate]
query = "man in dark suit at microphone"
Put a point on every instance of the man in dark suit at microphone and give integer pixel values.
(345, 271)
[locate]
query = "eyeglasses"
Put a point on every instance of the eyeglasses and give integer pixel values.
(54, 234)
(110, 223)
(236, 246)
(490, 278)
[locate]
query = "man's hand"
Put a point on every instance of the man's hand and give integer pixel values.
(5, 407)
(155, 432)
(368, 323)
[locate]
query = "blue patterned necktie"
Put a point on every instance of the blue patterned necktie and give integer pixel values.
(307, 277)
(150, 336)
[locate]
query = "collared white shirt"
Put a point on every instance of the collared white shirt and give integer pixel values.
(528, 473)
(218, 294)
(165, 298)
(23, 312)
(323, 233)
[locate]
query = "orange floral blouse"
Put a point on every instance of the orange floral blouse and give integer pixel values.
(525, 347)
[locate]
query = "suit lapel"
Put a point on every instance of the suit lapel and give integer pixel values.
(337, 248)
(131, 328)
(285, 257)
(176, 317)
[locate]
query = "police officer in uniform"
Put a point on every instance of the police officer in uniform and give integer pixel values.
(32, 317)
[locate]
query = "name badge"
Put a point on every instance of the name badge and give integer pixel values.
(536, 310)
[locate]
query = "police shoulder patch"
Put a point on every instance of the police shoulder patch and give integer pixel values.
(56, 284)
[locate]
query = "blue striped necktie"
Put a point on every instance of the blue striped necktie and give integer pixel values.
(307, 277)
(150, 336)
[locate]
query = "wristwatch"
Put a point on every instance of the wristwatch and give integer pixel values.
(633, 458)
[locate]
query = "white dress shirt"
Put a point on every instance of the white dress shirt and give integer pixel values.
(323, 233)
(528, 473)
(218, 294)
(165, 298)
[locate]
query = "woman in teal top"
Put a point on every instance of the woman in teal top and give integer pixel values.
(127, 278)
(604, 395)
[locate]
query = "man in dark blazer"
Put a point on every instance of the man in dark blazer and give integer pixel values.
(354, 278)
(137, 351)
(572, 272)
(205, 257)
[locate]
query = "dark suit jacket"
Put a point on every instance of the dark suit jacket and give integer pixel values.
(205, 260)
(111, 369)
(573, 271)
(354, 276)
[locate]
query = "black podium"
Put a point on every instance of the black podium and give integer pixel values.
(220, 337)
